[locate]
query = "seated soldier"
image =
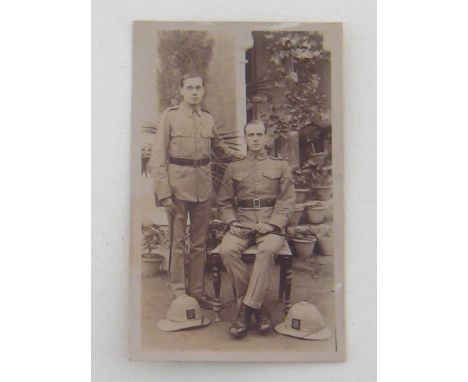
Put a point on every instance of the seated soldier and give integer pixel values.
(256, 192)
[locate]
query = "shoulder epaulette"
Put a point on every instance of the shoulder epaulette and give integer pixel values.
(206, 111)
(275, 158)
(172, 108)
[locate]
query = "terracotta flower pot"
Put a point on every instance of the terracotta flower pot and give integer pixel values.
(326, 244)
(304, 247)
(316, 214)
(318, 158)
(301, 194)
(150, 266)
(322, 192)
(296, 215)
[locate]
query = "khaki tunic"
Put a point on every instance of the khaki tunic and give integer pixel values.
(263, 177)
(254, 177)
(185, 133)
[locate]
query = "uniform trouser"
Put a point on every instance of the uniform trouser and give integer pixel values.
(251, 291)
(199, 213)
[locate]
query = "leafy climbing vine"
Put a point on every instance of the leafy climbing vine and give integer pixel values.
(294, 56)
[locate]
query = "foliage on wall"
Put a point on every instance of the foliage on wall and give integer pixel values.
(180, 52)
(294, 56)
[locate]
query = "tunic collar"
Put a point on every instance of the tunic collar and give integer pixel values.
(260, 156)
(190, 111)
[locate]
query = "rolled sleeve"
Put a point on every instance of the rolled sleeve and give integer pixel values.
(225, 198)
(158, 160)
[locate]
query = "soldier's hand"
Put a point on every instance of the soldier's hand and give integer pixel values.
(263, 228)
(168, 205)
(239, 232)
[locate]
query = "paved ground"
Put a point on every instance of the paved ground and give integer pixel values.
(312, 281)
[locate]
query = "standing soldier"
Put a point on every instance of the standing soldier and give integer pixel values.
(181, 172)
(256, 192)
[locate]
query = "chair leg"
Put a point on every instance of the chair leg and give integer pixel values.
(287, 284)
(282, 277)
(216, 263)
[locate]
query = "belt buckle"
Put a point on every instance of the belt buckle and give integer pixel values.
(196, 162)
(256, 203)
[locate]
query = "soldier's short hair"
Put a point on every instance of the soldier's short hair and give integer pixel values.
(186, 76)
(255, 122)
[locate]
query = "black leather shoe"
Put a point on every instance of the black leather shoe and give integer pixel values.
(263, 318)
(240, 326)
(205, 302)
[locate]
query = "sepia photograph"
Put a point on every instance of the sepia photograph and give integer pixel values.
(237, 243)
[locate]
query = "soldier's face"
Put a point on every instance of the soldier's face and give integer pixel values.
(192, 91)
(255, 137)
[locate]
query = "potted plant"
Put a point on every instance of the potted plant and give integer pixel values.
(304, 245)
(317, 177)
(315, 148)
(152, 259)
(300, 183)
(326, 242)
(315, 212)
(321, 184)
(318, 158)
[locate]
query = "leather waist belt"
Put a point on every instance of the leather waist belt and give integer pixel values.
(189, 162)
(255, 203)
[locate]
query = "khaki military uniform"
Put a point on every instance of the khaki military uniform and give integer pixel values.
(258, 189)
(186, 135)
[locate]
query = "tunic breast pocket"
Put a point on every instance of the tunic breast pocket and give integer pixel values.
(240, 175)
(240, 183)
(271, 178)
(206, 134)
(181, 142)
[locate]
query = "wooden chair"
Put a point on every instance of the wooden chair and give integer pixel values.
(283, 257)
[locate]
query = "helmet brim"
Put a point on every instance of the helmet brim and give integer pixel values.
(322, 334)
(171, 326)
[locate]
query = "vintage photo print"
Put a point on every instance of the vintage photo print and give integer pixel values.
(237, 198)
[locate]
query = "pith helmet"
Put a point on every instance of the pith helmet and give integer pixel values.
(183, 313)
(304, 321)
